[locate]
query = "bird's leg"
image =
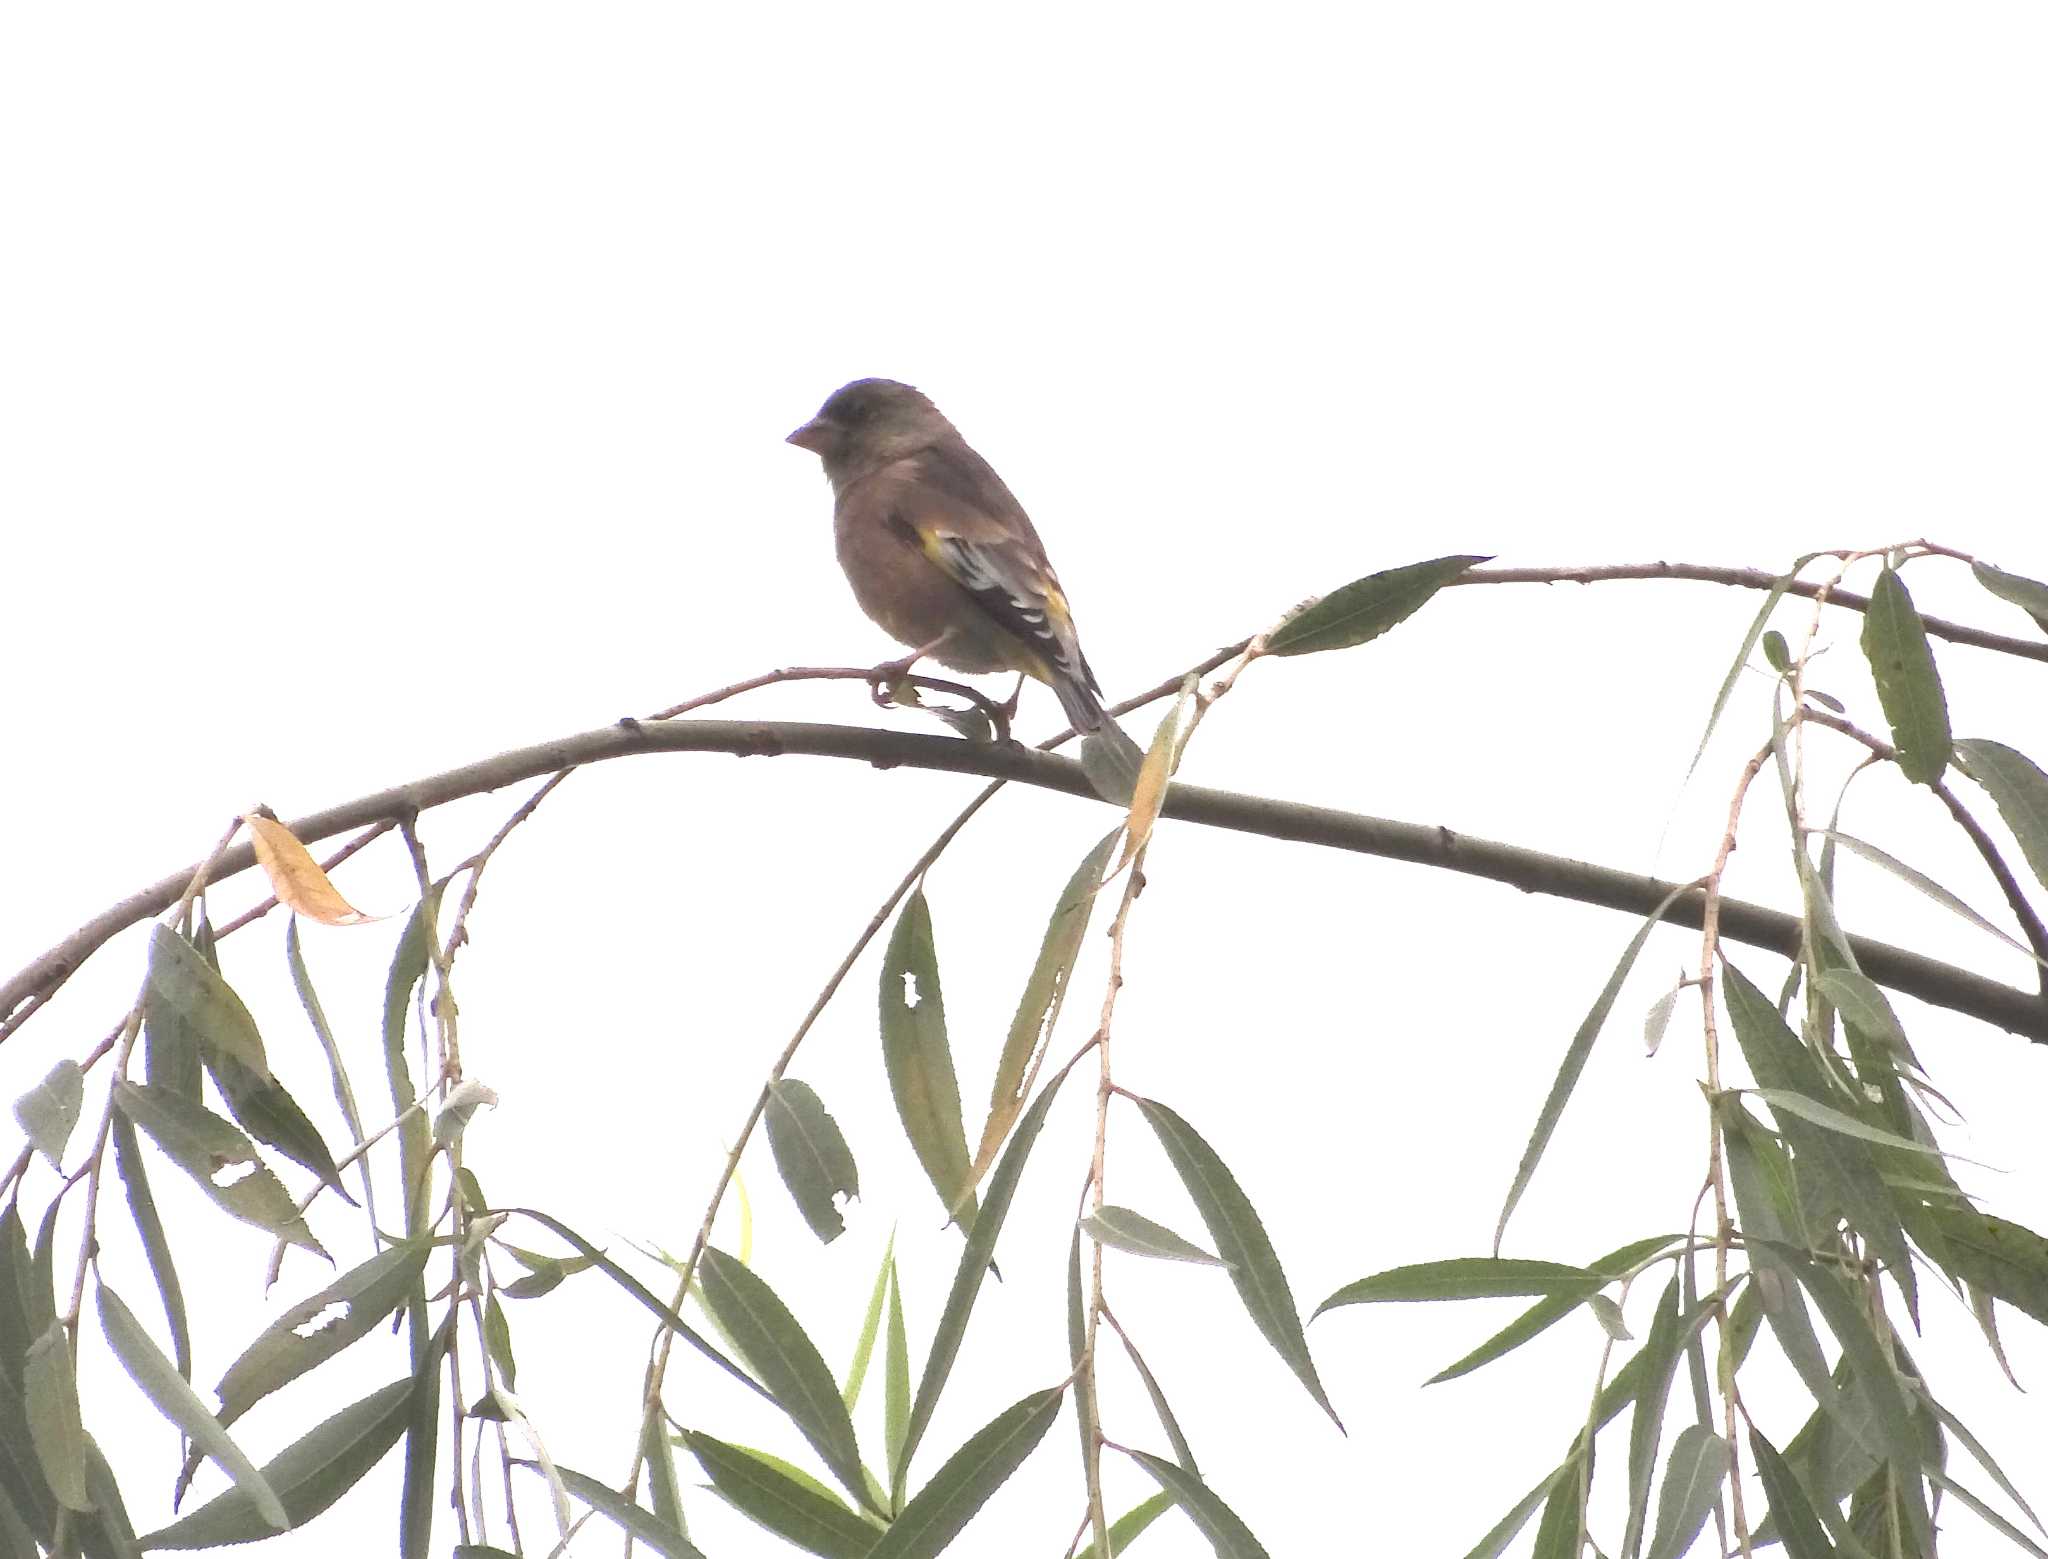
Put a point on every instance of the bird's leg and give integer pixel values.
(1008, 708)
(887, 678)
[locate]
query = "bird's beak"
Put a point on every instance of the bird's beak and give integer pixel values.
(813, 435)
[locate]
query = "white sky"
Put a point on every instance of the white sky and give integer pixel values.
(386, 386)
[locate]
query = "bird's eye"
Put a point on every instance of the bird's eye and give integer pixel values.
(854, 413)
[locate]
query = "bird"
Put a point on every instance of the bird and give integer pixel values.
(939, 552)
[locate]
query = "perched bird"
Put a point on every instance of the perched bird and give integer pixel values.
(938, 551)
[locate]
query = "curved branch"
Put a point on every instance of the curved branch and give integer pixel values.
(1746, 579)
(1943, 985)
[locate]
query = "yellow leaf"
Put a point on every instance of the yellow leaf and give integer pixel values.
(1148, 796)
(296, 878)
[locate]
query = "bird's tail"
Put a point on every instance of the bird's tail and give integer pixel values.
(1077, 698)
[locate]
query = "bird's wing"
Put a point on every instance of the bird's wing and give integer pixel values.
(959, 515)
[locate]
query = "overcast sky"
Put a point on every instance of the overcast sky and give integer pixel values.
(388, 385)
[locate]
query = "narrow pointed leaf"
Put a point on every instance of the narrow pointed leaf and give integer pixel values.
(1799, 1527)
(182, 981)
(408, 969)
(48, 1111)
(975, 1256)
(1760, 1176)
(1934, 890)
(2006, 1260)
(811, 1155)
(149, 1227)
(1574, 1063)
(297, 881)
(663, 1491)
(1986, 1460)
(1780, 1061)
(919, 1059)
(108, 1531)
(870, 1326)
(1161, 1408)
(268, 1112)
(308, 1475)
(1125, 1529)
(794, 1372)
(1240, 1239)
(1162, 758)
(1659, 1354)
(1038, 1009)
(1548, 1311)
(1908, 686)
(1692, 1483)
(218, 1157)
(1987, 1513)
(791, 1510)
(643, 1525)
(1228, 1536)
(1467, 1277)
(320, 1326)
(1122, 1229)
(49, 1391)
(638, 1291)
(1366, 608)
(2030, 595)
(1504, 1531)
(895, 1385)
(936, 1514)
(344, 1094)
(2019, 789)
(177, 1401)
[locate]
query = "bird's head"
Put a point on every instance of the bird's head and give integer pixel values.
(868, 424)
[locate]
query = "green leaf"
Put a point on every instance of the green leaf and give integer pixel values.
(308, 1475)
(218, 1157)
(1125, 1529)
(1776, 655)
(1660, 1353)
(975, 1256)
(1761, 1175)
(49, 1391)
(149, 1227)
(1161, 1409)
(1547, 1312)
(184, 983)
(2018, 788)
(1509, 1527)
(1991, 1517)
(870, 1325)
(811, 1155)
(640, 1295)
(2030, 595)
(108, 1529)
(790, 1509)
(663, 1491)
(1228, 1536)
(177, 1401)
(1741, 662)
(919, 1060)
(421, 1426)
(2006, 1260)
(1831, 1119)
(344, 1095)
(1897, 1439)
(272, 1116)
(794, 1372)
(1241, 1241)
(1909, 688)
(408, 969)
(1125, 1230)
(1984, 1459)
(934, 1517)
(48, 1111)
(629, 1517)
(1467, 1277)
(895, 1384)
(1692, 1484)
(1574, 1063)
(1934, 890)
(1845, 1169)
(1038, 1009)
(1366, 608)
(320, 1326)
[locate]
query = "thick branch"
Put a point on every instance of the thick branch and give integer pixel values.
(1944, 985)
